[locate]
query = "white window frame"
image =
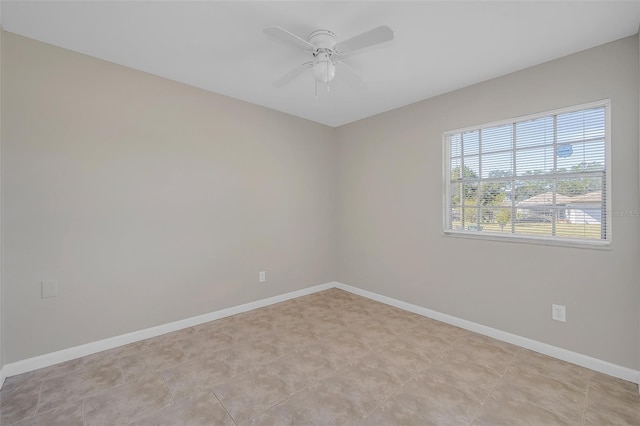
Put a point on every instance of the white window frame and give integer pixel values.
(533, 239)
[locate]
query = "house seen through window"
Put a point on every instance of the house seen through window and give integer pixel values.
(541, 177)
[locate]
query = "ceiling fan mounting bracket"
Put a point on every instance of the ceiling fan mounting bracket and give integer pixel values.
(323, 55)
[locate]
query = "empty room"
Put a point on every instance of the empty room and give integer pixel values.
(319, 213)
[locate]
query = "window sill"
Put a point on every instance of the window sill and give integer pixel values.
(493, 236)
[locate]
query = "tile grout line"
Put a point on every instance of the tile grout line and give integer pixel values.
(586, 398)
(223, 407)
(39, 397)
(173, 398)
(501, 376)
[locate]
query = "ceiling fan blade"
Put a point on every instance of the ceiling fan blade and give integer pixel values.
(372, 37)
(288, 77)
(350, 76)
(284, 35)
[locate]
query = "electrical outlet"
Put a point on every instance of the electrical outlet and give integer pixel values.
(559, 313)
(262, 277)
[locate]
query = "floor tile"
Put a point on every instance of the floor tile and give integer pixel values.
(19, 401)
(292, 337)
(438, 400)
(302, 367)
(603, 384)
(248, 353)
(363, 383)
(396, 359)
(375, 334)
(65, 415)
(392, 413)
(77, 385)
(475, 379)
(141, 364)
(492, 354)
(425, 345)
(251, 393)
(324, 324)
(125, 403)
(202, 409)
(612, 401)
(268, 418)
(206, 342)
(287, 317)
(398, 323)
(545, 392)
(350, 314)
(446, 332)
(342, 348)
(320, 405)
(611, 417)
(562, 371)
(194, 377)
(501, 409)
(243, 329)
(354, 335)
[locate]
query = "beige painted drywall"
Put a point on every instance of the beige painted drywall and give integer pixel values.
(1, 226)
(149, 201)
(390, 213)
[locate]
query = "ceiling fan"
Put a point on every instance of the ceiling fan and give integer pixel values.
(323, 46)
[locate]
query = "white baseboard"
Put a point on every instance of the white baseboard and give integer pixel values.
(2, 376)
(19, 367)
(543, 348)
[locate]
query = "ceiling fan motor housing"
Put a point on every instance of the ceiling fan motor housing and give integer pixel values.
(322, 39)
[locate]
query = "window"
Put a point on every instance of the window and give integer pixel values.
(539, 178)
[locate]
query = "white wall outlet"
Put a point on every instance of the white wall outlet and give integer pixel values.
(559, 313)
(262, 276)
(49, 289)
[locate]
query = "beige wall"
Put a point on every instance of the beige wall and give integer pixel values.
(149, 201)
(390, 213)
(1, 226)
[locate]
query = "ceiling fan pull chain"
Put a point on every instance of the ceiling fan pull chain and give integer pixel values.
(328, 61)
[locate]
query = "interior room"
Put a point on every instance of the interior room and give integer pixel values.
(319, 213)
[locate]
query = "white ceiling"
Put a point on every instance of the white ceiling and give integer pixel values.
(219, 46)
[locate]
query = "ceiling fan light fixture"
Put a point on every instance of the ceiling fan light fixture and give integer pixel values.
(324, 71)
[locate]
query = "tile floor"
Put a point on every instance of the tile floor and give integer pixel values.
(330, 358)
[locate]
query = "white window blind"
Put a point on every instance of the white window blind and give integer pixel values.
(541, 177)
